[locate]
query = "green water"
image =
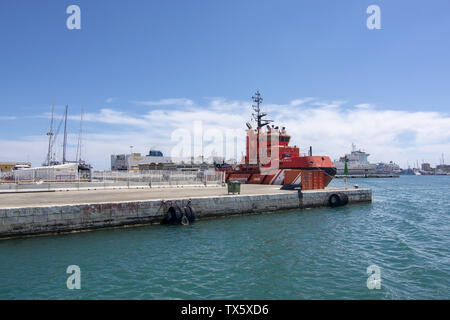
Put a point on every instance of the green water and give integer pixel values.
(298, 254)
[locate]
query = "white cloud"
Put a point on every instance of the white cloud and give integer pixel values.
(298, 102)
(112, 117)
(330, 127)
(165, 102)
(363, 106)
(111, 100)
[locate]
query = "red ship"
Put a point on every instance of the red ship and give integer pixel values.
(277, 162)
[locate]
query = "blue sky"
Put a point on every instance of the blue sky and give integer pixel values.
(135, 63)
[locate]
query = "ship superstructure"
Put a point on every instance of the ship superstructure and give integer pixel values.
(269, 158)
(357, 163)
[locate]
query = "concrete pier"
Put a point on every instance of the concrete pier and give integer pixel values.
(24, 214)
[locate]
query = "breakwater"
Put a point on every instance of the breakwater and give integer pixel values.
(61, 212)
(368, 175)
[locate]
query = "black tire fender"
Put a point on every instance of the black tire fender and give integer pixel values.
(178, 214)
(169, 216)
(337, 200)
(190, 213)
(334, 200)
(173, 215)
(344, 199)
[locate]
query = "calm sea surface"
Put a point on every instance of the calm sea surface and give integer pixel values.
(298, 254)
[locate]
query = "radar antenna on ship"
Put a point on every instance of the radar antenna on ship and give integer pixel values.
(258, 115)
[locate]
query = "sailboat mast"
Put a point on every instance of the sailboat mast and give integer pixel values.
(65, 136)
(50, 135)
(78, 158)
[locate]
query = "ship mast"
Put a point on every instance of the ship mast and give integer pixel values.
(79, 146)
(65, 136)
(259, 115)
(50, 135)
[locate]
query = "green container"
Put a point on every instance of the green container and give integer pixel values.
(234, 187)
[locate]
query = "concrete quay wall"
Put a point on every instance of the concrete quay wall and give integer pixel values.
(24, 221)
(319, 198)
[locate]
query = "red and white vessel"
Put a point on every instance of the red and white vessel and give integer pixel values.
(277, 162)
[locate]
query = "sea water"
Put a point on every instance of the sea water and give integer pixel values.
(319, 253)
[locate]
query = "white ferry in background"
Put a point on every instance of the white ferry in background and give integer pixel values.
(357, 163)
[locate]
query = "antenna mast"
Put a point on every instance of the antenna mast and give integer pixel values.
(65, 136)
(258, 115)
(50, 135)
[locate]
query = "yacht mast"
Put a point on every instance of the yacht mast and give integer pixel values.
(65, 136)
(78, 158)
(50, 135)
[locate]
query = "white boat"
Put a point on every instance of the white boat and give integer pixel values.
(357, 163)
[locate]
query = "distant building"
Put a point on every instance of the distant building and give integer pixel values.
(125, 161)
(215, 160)
(445, 168)
(154, 157)
(408, 172)
(155, 160)
(426, 167)
(387, 168)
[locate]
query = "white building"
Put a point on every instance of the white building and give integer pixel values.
(135, 161)
(125, 161)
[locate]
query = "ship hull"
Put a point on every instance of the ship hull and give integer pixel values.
(307, 178)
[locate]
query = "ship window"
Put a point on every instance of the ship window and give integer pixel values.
(155, 153)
